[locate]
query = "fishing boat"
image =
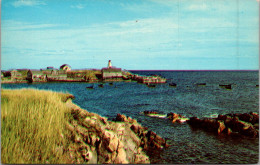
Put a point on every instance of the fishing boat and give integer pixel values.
(228, 86)
(100, 85)
(150, 85)
(201, 84)
(90, 87)
(172, 84)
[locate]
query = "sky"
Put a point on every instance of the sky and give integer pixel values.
(133, 34)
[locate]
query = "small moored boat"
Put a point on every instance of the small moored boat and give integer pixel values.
(201, 84)
(172, 84)
(90, 87)
(151, 85)
(228, 86)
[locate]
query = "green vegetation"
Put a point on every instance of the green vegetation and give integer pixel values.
(33, 126)
(83, 74)
(23, 73)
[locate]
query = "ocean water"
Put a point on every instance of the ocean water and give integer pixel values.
(186, 144)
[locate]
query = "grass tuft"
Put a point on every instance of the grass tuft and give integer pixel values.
(33, 126)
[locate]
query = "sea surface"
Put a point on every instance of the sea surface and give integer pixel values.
(187, 145)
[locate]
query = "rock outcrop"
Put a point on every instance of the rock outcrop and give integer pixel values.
(150, 141)
(246, 124)
(174, 117)
(98, 140)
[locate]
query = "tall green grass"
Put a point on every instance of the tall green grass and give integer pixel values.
(33, 126)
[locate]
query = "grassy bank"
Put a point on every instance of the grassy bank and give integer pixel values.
(40, 127)
(33, 126)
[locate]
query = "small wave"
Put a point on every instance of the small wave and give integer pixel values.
(140, 105)
(157, 115)
(214, 115)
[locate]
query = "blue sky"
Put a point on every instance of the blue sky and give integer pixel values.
(134, 34)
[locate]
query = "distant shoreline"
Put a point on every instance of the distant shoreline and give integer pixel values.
(194, 70)
(157, 69)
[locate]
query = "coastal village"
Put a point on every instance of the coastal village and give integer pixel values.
(66, 74)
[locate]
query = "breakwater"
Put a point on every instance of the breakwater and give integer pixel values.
(86, 75)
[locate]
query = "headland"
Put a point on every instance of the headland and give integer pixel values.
(46, 127)
(66, 74)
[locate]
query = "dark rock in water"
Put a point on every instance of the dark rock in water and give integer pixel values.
(232, 124)
(244, 128)
(222, 117)
(255, 118)
(194, 121)
(228, 131)
(256, 126)
(247, 118)
(174, 117)
(207, 124)
(249, 131)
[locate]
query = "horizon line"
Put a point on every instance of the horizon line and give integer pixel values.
(148, 69)
(199, 70)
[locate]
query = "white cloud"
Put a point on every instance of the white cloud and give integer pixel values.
(139, 8)
(152, 36)
(169, 3)
(110, 38)
(79, 6)
(16, 25)
(20, 3)
(199, 7)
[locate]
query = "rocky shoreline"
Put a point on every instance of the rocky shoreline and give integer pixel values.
(239, 124)
(123, 140)
(246, 124)
(97, 140)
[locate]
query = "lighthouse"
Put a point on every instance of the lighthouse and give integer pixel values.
(111, 72)
(109, 64)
